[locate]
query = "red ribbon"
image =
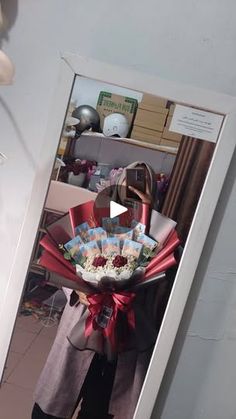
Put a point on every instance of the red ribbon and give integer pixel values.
(117, 301)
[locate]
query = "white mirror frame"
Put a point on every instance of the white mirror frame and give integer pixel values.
(72, 65)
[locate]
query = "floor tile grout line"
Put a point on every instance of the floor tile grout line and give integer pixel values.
(17, 386)
(25, 353)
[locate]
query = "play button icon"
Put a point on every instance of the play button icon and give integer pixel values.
(116, 209)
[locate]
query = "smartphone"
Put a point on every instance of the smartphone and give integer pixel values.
(136, 178)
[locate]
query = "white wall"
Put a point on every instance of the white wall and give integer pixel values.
(86, 91)
(189, 41)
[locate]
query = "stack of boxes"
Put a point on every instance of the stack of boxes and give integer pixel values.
(152, 121)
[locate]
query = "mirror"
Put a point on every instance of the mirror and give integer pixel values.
(183, 171)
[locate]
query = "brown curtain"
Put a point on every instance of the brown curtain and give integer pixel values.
(187, 179)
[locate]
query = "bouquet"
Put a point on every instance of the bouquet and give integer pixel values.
(77, 167)
(110, 259)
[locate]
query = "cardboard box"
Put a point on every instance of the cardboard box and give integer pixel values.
(169, 135)
(110, 103)
(153, 100)
(146, 135)
(147, 131)
(153, 108)
(151, 120)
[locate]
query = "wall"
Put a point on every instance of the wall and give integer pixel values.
(86, 91)
(121, 154)
(189, 41)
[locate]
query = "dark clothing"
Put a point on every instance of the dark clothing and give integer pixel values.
(97, 388)
(95, 398)
(37, 413)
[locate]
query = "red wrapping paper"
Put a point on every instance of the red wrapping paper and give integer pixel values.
(52, 264)
(58, 235)
(82, 213)
(162, 266)
(99, 213)
(49, 246)
(53, 259)
(118, 302)
(145, 214)
(49, 262)
(171, 244)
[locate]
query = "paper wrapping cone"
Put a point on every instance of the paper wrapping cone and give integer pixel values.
(171, 244)
(50, 247)
(84, 335)
(165, 264)
(52, 264)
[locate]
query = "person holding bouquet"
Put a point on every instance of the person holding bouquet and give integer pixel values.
(103, 388)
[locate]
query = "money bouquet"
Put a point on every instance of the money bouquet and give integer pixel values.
(111, 259)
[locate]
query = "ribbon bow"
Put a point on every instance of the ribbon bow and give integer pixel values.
(105, 306)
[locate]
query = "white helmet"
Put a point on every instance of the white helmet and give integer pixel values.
(116, 124)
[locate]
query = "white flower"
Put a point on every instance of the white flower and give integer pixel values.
(94, 274)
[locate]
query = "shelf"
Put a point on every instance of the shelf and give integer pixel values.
(165, 149)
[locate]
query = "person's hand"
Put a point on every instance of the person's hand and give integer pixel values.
(146, 198)
(83, 298)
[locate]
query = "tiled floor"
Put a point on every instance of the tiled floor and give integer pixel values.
(28, 352)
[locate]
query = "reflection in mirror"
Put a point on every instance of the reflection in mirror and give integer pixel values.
(107, 280)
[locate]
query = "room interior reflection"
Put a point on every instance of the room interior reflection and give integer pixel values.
(87, 162)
